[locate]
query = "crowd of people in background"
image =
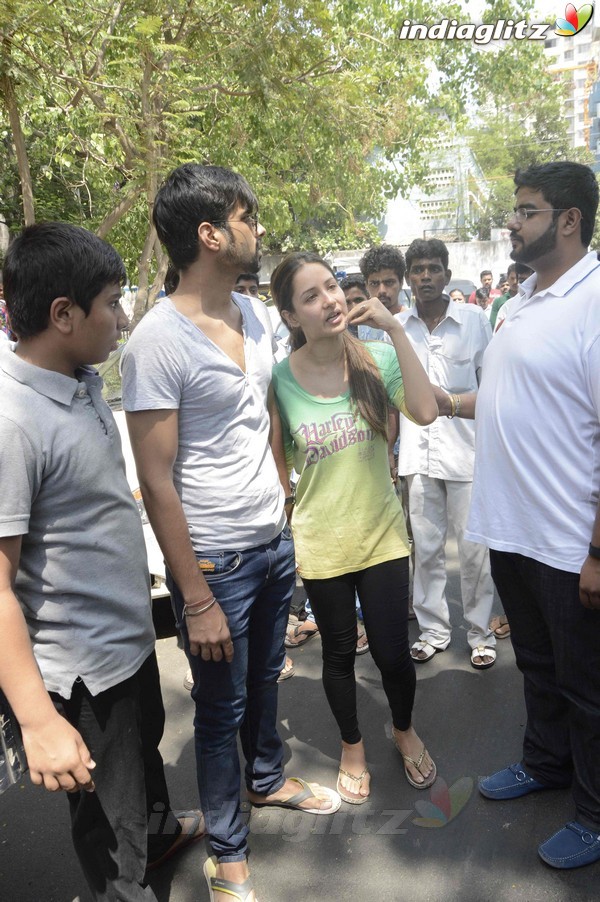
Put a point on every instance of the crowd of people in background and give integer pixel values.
(383, 422)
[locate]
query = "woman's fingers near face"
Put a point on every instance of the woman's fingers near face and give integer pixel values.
(362, 311)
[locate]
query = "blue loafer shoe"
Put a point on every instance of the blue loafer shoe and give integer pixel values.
(572, 847)
(510, 783)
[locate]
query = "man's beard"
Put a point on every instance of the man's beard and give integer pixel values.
(242, 260)
(543, 245)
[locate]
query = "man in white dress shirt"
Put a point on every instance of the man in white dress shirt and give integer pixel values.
(437, 460)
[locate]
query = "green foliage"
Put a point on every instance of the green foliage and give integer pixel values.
(297, 97)
(519, 115)
(317, 103)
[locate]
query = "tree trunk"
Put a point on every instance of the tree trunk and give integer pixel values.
(10, 100)
(123, 207)
(146, 295)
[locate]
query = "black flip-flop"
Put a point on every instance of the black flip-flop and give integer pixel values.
(301, 633)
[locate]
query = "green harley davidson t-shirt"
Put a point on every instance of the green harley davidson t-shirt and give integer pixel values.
(347, 516)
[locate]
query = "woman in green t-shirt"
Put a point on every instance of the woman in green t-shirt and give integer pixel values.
(333, 394)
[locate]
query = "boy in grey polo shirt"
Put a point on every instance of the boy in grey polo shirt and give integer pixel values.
(75, 618)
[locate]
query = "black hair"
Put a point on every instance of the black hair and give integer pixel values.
(193, 194)
(485, 272)
(482, 294)
(385, 256)
(248, 275)
(171, 279)
(52, 260)
(354, 280)
(366, 387)
(427, 249)
(564, 185)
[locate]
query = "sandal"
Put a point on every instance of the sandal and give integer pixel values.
(345, 794)
(288, 670)
(423, 651)
(362, 643)
(481, 652)
(239, 891)
(427, 781)
(306, 792)
(298, 634)
(500, 627)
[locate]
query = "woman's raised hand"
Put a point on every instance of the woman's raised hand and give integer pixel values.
(372, 313)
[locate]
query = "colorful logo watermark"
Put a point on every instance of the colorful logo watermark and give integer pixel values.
(574, 21)
(445, 803)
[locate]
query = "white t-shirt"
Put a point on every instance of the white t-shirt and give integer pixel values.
(224, 472)
(537, 455)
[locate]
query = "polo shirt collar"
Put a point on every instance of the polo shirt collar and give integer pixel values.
(564, 283)
(55, 386)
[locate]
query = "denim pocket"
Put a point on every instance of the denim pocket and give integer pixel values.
(216, 565)
(286, 532)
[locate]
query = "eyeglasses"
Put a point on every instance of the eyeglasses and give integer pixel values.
(251, 221)
(521, 214)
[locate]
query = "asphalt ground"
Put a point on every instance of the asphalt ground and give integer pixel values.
(447, 844)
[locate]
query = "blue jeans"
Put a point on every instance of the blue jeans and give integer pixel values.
(557, 648)
(254, 588)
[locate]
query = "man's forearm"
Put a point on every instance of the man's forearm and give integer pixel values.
(589, 580)
(208, 632)
(276, 443)
(20, 678)
(168, 521)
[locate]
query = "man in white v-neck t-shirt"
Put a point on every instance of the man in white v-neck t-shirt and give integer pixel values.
(196, 377)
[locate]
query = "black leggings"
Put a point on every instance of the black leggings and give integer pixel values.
(383, 594)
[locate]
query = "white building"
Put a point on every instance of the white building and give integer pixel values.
(451, 199)
(576, 61)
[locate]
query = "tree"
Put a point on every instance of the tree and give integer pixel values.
(517, 120)
(101, 106)
(318, 104)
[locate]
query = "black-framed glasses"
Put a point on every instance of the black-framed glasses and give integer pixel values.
(251, 220)
(521, 214)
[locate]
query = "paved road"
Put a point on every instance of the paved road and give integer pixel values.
(399, 846)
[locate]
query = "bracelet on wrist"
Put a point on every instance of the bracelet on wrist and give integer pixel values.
(291, 499)
(198, 604)
(594, 551)
(455, 402)
(207, 607)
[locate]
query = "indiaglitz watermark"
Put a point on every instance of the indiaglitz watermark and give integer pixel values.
(442, 806)
(296, 826)
(573, 22)
(453, 30)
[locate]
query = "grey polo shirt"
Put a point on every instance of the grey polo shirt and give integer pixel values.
(82, 580)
